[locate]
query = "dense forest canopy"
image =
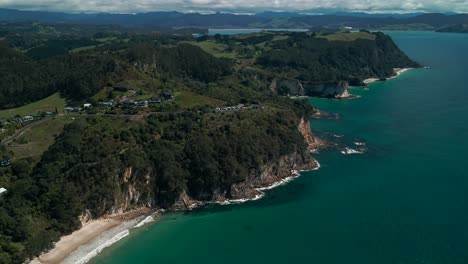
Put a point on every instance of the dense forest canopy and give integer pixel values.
(82, 64)
(218, 123)
(319, 60)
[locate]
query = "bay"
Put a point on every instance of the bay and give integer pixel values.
(405, 200)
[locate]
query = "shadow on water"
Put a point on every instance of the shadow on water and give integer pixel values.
(289, 193)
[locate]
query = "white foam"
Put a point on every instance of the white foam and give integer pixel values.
(349, 151)
(145, 221)
(318, 166)
(239, 201)
(399, 72)
(314, 151)
(357, 143)
(279, 183)
(294, 174)
(99, 249)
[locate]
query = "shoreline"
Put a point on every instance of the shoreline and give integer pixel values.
(92, 238)
(397, 71)
(88, 241)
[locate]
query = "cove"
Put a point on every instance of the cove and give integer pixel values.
(404, 200)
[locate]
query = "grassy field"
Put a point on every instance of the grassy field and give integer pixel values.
(349, 36)
(107, 39)
(216, 49)
(187, 99)
(34, 142)
(48, 104)
(82, 49)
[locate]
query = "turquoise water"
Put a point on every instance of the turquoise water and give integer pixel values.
(404, 201)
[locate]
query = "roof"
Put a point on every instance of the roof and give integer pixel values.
(2, 190)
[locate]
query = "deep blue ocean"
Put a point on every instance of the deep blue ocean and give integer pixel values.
(404, 201)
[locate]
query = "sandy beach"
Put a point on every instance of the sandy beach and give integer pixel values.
(370, 80)
(70, 243)
(87, 242)
(397, 71)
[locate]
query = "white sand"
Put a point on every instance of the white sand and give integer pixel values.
(85, 252)
(370, 80)
(72, 242)
(397, 71)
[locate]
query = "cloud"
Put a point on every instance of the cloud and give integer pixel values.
(135, 6)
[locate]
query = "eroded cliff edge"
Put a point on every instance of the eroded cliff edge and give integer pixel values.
(139, 189)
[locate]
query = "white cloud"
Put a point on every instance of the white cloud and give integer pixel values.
(132, 6)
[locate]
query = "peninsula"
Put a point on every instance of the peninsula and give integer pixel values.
(98, 123)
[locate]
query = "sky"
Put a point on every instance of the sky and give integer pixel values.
(239, 6)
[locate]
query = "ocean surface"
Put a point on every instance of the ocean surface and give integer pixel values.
(405, 200)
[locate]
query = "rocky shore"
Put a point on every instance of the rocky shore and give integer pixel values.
(95, 235)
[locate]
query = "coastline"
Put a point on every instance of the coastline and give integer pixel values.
(397, 71)
(96, 235)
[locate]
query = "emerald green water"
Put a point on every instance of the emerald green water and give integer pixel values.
(404, 201)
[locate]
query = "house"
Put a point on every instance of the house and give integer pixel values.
(87, 105)
(69, 109)
(2, 191)
(18, 120)
(155, 100)
(28, 118)
(168, 96)
(230, 108)
(141, 103)
(107, 104)
(5, 163)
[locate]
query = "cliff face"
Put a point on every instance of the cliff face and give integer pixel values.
(137, 187)
(312, 141)
(136, 191)
(266, 175)
(298, 88)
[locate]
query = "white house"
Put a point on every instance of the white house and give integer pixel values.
(2, 190)
(86, 105)
(28, 118)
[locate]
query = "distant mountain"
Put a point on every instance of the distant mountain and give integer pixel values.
(268, 19)
(272, 14)
(460, 28)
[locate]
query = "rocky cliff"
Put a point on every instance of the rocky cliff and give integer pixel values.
(265, 176)
(298, 88)
(137, 187)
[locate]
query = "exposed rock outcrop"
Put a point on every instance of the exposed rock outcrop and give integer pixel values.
(267, 175)
(313, 142)
(136, 189)
(135, 192)
(328, 90)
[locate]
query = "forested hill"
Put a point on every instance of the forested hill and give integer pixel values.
(154, 120)
(318, 59)
(459, 28)
(34, 70)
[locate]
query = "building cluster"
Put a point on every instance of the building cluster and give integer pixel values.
(127, 103)
(230, 108)
(27, 118)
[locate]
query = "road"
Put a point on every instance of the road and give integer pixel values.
(21, 131)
